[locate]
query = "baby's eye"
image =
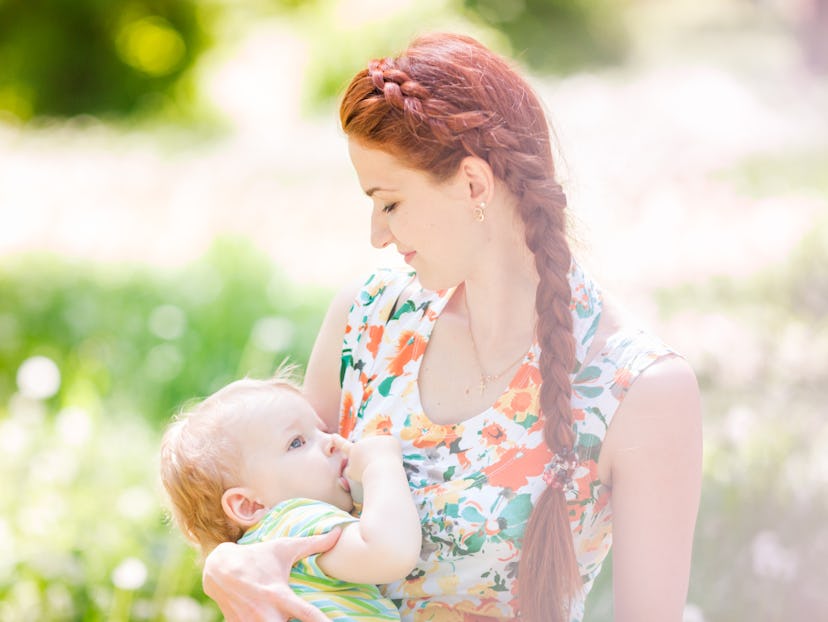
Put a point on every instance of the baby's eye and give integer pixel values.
(390, 207)
(297, 442)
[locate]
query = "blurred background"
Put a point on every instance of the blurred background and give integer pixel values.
(177, 208)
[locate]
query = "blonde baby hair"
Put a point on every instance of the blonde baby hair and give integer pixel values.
(200, 458)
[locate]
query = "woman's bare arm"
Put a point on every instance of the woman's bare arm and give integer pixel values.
(655, 446)
(321, 384)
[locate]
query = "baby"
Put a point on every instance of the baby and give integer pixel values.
(253, 462)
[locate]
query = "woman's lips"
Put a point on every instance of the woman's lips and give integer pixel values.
(409, 256)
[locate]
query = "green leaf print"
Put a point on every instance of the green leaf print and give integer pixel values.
(587, 391)
(406, 307)
(471, 514)
(472, 544)
(591, 331)
(451, 510)
(499, 584)
(527, 422)
(385, 386)
(515, 515)
(588, 374)
(588, 440)
(347, 361)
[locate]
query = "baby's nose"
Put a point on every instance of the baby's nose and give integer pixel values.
(329, 444)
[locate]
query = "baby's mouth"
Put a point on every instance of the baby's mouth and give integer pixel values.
(343, 481)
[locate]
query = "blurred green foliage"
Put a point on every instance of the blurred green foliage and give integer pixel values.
(558, 36)
(82, 531)
(547, 36)
(145, 342)
(100, 57)
(135, 58)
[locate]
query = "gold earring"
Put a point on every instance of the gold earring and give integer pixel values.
(478, 213)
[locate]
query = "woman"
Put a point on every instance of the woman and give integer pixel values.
(538, 426)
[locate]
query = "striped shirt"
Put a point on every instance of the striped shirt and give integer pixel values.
(339, 600)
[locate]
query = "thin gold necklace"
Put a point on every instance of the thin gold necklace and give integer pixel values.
(485, 379)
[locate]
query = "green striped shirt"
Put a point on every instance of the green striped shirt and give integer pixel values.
(339, 600)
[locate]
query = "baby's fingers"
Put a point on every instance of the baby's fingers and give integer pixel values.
(342, 444)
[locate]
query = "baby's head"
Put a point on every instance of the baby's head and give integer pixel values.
(244, 449)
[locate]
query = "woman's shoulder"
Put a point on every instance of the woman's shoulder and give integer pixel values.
(659, 390)
(382, 284)
(622, 341)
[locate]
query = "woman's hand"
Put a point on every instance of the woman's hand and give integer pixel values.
(250, 582)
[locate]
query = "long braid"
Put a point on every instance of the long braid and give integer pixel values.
(466, 113)
(547, 555)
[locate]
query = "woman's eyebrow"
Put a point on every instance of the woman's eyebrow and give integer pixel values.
(374, 189)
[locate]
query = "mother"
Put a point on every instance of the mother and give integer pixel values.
(538, 425)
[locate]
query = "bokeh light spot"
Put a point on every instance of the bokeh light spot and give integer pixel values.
(151, 45)
(130, 574)
(38, 378)
(167, 321)
(273, 334)
(73, 426)
(183, 609)
(136, 503)
(164, 362)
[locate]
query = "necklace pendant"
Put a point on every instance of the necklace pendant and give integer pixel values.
(482, 385)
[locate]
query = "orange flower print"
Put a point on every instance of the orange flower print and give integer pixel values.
(623, 377)
(375, 338)
(493, 434)
(419, 430)
(517, 465)
(602, 501)
(347, 420)
(521, 401)
(526, 376)
(379, 426)
(410, 347)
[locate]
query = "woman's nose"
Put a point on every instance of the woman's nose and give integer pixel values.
(380, 234)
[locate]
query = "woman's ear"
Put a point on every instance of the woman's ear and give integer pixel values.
(479, 177)
(241, 507)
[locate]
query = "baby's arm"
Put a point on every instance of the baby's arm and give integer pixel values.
(384, 545)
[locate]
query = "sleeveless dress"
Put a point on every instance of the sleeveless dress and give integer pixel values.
(475, 482)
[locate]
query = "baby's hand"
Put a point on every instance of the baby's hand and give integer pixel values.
(371, 450)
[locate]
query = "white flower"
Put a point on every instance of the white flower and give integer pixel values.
(130, 574)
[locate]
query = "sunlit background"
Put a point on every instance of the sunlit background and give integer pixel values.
(177, 208)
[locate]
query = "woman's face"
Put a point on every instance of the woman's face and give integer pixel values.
(429, 222)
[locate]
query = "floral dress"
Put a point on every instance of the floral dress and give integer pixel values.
(475, 482)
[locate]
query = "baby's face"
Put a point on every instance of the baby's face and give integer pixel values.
(287, 454)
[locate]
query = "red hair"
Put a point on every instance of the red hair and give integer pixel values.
(445, 98)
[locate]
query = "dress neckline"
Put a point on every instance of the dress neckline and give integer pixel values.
(586, 306)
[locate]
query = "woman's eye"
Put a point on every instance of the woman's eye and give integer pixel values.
(296, 443)
(390, 207)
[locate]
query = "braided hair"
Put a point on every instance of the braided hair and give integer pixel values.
(445, 98)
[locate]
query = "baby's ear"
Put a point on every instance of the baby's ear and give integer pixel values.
(240, 506)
